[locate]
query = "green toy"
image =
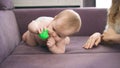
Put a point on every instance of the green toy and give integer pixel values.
(44, 35)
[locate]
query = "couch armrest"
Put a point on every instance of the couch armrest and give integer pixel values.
(9, 33)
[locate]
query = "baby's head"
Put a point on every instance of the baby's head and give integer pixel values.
(67, 22)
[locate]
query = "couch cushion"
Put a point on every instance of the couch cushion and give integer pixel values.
(9, 35)
(81, 60)
(74, 47)
(75, 57)
(6, 4)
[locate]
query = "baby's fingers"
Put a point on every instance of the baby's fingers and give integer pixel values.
(44, 28)
(41, 29)
(49, 44)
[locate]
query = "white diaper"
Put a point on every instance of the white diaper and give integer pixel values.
(44, 18)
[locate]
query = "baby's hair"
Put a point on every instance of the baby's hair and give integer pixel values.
(72, 18)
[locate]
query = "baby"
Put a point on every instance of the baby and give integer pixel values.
(65, 23)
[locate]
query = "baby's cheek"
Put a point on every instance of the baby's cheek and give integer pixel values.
(51, 32)
(54, 34)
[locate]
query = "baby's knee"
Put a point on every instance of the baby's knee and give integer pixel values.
(24, 37)
(28, 40)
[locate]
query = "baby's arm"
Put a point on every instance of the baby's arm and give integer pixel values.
(36, 26)
(33, 27)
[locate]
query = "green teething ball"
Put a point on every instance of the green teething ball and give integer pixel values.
(44, 35)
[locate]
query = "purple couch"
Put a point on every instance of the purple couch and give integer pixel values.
(16, 54)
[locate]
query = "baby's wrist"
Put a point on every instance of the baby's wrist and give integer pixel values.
(44, 34)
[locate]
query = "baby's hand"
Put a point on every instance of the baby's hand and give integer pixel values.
(54, 35)
(93, 40)
(56, 47)
(40, 29)
(50, 42)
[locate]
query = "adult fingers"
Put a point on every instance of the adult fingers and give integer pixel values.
(87, 44)
(98, 41)
(92, 43)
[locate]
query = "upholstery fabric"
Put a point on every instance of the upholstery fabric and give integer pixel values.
(86, 60)
(74, 47)
(9, 35)
(75, 57)
(6, 4)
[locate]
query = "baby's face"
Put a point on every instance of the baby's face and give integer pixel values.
(59, 30)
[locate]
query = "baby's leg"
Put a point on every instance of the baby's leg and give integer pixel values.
(29, 39)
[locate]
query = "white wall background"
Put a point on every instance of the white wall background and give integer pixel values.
(103, 3)
(47, 2)
(23, 3)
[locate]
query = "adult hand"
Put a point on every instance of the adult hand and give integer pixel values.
(93, 40)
